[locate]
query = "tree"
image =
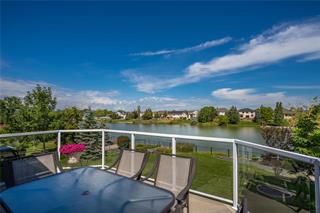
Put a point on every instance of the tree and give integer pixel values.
(264, 115)
(280, 138)
(165, 114)
(147, 115)
(207, 114)
(67, 118)
(135, 114)
(278, 114)
(138, 111)
(156, 115)
(92, 140)
(10, 114)
(233, 115)
(39, 103)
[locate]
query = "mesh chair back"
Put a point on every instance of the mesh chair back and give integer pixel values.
(31, 168)
(174, 173)
(131, 163)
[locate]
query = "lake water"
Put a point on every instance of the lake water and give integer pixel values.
(251, 134)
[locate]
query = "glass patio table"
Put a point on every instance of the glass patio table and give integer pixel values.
(86, 190)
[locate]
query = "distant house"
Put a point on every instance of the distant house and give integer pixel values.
(177, 115)
(222, 111)
(288, 114)
(247, 113)
(193, 114)
(121, 114)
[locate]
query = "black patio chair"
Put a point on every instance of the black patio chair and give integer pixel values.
(130, 163)
(30, 168)
(174, 173)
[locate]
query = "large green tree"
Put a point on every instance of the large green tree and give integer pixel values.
(39, 103)
(233, 115)
(278, 117)
(92, 140)
(264, 115)
(148, 114)
(11, 114)
(207, 114)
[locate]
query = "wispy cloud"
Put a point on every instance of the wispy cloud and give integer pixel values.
(311, 57)
(298, 87)
(250, 97)
(279, 43)
(99, 99)
(199, 47)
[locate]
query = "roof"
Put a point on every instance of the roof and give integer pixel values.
(288, 112)
(222, 110)
(177, 112)
(246, 110)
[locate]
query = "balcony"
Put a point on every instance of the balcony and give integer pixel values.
(228, 170)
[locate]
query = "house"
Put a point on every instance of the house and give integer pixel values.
(247, 113)
(177, 115)
(121, 114)
(288, 114)
(193, 114)
(222, 111)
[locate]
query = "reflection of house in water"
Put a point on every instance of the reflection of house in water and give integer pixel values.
(247, 113)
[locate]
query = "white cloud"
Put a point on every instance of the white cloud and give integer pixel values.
(65, 97)
(199, 47)
(279, 43)
(250, 97)
(98, 99)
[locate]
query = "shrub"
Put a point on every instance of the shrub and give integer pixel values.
(164, 150)
(223, 120)
(185, 147)
(69, 149)
(123, 141)
(144, 147)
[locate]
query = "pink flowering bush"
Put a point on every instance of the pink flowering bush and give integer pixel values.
(69, 149)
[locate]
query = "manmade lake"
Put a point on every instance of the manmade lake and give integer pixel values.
(252, 134)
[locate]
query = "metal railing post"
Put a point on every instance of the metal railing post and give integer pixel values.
(133, 145)
(103, 149)
(317, 185)
(174, 146)
(235, 174)
(59, 143)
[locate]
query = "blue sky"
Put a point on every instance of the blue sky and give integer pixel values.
(163, 55)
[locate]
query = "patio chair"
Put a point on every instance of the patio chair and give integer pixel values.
(130, 163)
(243, 208)
(176, 175)
(30, 168)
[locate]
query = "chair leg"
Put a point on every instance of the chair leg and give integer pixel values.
(188, 210)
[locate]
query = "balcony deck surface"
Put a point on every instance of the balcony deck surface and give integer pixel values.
(205, 205)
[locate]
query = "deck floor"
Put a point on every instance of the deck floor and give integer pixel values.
(205, 205)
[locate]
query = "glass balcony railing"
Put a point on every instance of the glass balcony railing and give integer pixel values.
(228, 170)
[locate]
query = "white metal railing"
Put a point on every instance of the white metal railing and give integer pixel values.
(234, 142)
